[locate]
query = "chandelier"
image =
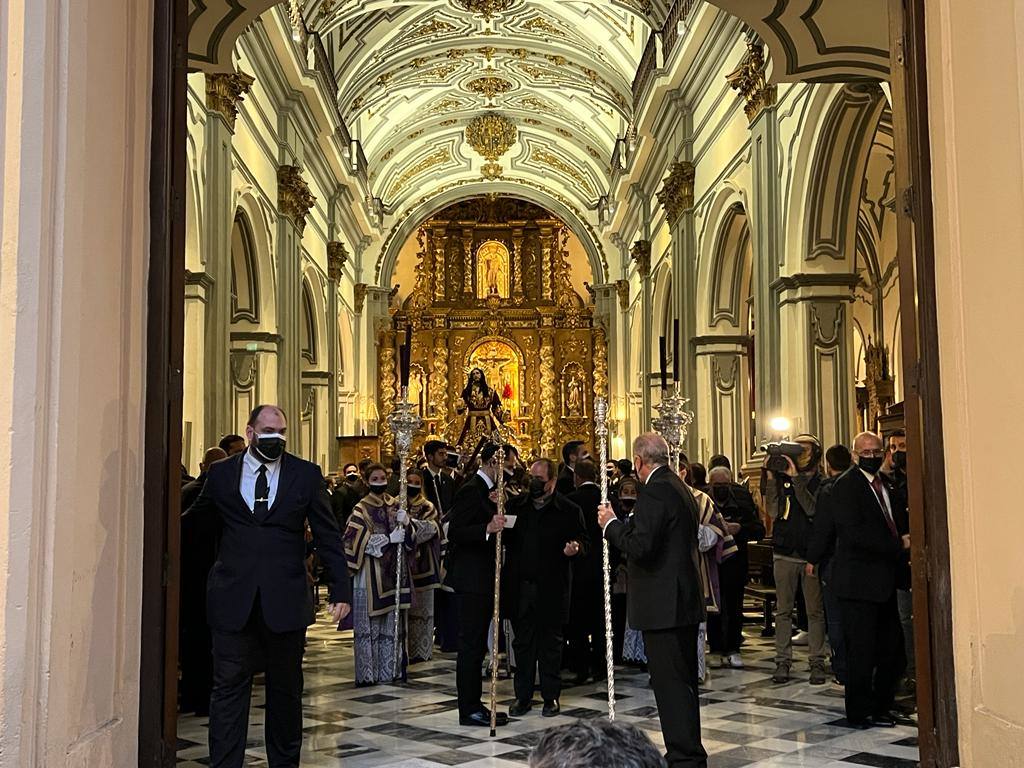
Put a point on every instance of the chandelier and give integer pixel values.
(486, 8)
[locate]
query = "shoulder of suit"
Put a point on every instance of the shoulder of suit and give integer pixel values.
(566, 502)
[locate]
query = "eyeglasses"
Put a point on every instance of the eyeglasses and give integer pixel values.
(871, 452)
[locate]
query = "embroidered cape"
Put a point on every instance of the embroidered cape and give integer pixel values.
(376, 515)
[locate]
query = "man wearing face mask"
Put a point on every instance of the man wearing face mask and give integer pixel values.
(865, 566)
(474, 520)
(666, 598)
(348, 492)
(537, 584)
(573, 451)
(586, 626)
(894, 473)
(790, 502)
(624, 502)
(258, 600)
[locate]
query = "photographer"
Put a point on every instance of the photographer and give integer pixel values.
(791, 478)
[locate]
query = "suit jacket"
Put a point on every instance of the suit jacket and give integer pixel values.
(266, 554)
(867, 555)
(470, 557)
(565, 483)
(659, 541)
(822, 544)
(589, 563)
(554, 525)
(440, 493)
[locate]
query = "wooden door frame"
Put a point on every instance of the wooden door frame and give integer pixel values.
(930, 554)
(165, 343)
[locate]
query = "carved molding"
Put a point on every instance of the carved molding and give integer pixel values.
(622, 289)
(641, 254)
(337, 255)
(225, 92)
(676, 193)
(359, 294)
(749, 80)
(293, 196)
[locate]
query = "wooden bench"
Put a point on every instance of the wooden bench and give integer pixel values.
(762, 588)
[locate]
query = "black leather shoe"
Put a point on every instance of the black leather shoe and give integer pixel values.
(860, 725)
(883, 721)
(551, 709)
(483, 719)
(520, 708)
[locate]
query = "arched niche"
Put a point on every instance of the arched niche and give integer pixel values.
(261, 242)
(726, 303)
(245, 282)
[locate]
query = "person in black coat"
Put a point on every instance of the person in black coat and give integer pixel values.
(473, 523)
(573, 451)
(868, 552)
(258, 599)
(537, 584)
(665, 599)
(586, 626)
(439, 488)
(198, 553)
(348, 492)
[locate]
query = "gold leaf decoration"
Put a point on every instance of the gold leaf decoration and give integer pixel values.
(491, 135)
(486, 8)
(489, 86)
(435, 158)
(556, 163)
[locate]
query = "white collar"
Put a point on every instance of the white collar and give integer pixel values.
(868, 475)
(487, 479)
(255, 463)
(588, 482)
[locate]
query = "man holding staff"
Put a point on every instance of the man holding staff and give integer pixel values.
(665, 599)
(470, 566)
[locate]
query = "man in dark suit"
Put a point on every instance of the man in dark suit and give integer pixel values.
(258, 600)
(665, 599)
(868, 551)
(198, 553)
(439, 488)
(537, 584)
(474, 521)
(586, 626)
(573, 451)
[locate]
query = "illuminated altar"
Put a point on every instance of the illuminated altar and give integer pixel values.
(492, 291)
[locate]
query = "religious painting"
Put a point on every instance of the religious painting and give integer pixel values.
(492, 270)
(574, 403)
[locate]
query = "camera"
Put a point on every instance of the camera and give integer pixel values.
(452, 460)
(777, 453)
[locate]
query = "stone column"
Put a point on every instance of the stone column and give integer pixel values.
(640, 253)
(548, 395)
(766, 226)
(439, 242)
(817, 354)
(337, 255)
(676, 197)
(467, 261)
(723, 416)
(294, 201)
(224, 93)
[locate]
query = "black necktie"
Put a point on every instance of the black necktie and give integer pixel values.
(259, 507)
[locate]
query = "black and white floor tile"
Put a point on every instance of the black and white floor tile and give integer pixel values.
(747, 720)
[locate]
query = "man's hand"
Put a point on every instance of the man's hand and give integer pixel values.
(572, 549)
(809, 569)
(733, 528)
(791, 469)
(906, 541)
(339, 611)
(493, 496)
(496, 524)
(605, 514)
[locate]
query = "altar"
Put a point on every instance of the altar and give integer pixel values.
(493, 302)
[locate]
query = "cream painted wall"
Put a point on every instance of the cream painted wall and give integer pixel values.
(75, 137)
(976, 91)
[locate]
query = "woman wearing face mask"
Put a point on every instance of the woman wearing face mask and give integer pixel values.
(372, 537)
(425, 565)
(626, 495)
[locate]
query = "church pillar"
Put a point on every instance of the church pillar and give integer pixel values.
(548, 395)
(766, 228)
(817, 347)
(337, 255)
(548, 242)
(467, 262)
(723, 415)
(676, 197)
(640, 253)
(223, 95)
(294, 201)
(618, 358)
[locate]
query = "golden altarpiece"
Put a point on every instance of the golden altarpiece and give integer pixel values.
(493, 293)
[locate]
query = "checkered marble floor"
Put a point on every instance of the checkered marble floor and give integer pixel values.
(747, 720)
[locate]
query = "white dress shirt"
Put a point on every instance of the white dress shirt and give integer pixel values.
(247, 486)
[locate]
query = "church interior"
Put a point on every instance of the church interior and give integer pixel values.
(595, 207)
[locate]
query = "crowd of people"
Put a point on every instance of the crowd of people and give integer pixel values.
(261, 527)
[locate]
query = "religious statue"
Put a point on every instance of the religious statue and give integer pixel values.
(481, 405)
(492, 270)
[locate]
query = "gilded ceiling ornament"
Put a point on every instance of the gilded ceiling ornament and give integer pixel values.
(491, 171)
(486, 8)
(487, 51)
(455, 53)
(676, 194)
(337, 255)
(554, 162)
(491, 135)
(224, 93)
(532, 121)
(489, 86)
(445, 105)
(384, 79)
(433, 27)
(540, 24)
(749, 80)
(293, 196)
(437, 157)
(443, 71)
(449, 121)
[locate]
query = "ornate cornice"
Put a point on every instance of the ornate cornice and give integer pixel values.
(337, 255)
(225, 92)
(293, 196)
(641, 254)
(622, 289)
(676, 194)
(359, 293)
(749, 80)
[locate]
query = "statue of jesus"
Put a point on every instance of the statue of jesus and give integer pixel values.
(482, 406)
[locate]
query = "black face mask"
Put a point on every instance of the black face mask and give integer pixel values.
(899, 460)
(352, 477)
(720, 493)
(269, 447)
(627, 504)
(870, 464)
(414, 490)
(538, 488)
(378, 488)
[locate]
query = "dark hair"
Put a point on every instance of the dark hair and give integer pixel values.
(364, 463)
(596, 743)
(432, 446)
(719, 460)
(228, 440)
(396, 464)
(414, 471)
(508, 448)
(698, 475)
(549, 467)
(586, 471)
(370, 469)
(630, 482)
(570, 448)
(486, 390)
(838, 458)
(898, 432)
(350, 464)
(255, 415)
(625, 467)
(487, 452)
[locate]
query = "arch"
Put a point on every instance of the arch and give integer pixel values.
(308, 326)
(412, 218)
(262, 240)
(245, 284)
(346, 349)
(730, 270)
(661, 309)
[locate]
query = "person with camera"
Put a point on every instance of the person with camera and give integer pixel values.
(792, 476)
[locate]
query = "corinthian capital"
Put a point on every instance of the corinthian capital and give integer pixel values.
(337, 255)
(676, 194)
(225, 92)
(749, 80)
(641, 254)
(293, 196)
